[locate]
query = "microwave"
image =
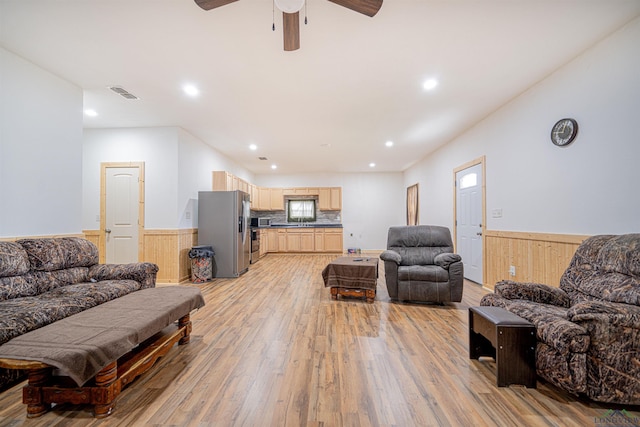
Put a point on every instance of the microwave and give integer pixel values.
(261, 222)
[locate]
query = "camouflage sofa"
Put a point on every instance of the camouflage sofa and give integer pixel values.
(44, 280)
(588, 329)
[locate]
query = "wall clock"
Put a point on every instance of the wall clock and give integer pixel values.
(564, 132)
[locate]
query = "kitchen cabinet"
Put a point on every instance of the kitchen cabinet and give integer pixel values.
(301, 191)
(264, 199)
(264, 243)
(300, 240)
(318, 237)
(222, 181)
(330, 198)
(277, 199)
(254, 193)
(303, 240)
(243, 185)
(272, 240)
(282, 241)
(272, 199)
(333, 240)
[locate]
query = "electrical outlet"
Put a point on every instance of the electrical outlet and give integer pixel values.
(512, 270)
(496, 213)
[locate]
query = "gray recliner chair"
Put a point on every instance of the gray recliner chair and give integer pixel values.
(420, 265)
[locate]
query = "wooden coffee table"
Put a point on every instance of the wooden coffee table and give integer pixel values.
(352, 277)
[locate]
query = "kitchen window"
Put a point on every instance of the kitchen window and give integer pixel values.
(302, 211)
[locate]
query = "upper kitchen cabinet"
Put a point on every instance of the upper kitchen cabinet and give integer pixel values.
(225, 181)
(277, 199)
(330, 198)
(301, 191)
(269, 199)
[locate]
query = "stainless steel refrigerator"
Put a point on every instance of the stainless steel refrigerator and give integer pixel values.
(223, 222)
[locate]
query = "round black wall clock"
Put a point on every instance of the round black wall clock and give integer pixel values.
(564, 132)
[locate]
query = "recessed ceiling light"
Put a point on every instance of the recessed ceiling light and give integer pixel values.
(430, 84)
(191, 90)
(372, 165)
(253, 147)
(389, 143)
(91, 113)
(274, 167)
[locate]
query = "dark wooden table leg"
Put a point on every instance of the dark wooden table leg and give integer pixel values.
(106, 381)
(185, 322)
(371, 295)
(32, 392)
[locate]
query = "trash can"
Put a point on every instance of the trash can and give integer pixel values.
(201, 263)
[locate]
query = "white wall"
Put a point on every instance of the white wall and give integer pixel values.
(177, 166)
(40, 151)
(196, 161)
(156, 147)
(588, 187)
(371, 202)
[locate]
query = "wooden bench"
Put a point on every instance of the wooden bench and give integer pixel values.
(142, 325)
(511, 340)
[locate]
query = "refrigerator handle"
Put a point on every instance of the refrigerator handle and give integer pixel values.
(240, 225)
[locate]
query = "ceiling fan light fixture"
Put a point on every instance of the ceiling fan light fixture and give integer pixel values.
(290, 6)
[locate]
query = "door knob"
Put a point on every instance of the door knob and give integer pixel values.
(479, 233)
(107, 231)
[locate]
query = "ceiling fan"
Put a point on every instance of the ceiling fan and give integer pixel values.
(291, 14)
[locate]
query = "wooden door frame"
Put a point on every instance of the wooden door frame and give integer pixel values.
(479, 161)
(103, 205)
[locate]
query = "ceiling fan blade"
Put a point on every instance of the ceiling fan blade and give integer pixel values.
(366, 7)
(291, 30)
(212, 4)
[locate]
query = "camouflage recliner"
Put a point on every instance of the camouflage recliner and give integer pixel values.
(588, 329)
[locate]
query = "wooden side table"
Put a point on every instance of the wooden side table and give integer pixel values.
(511, 340)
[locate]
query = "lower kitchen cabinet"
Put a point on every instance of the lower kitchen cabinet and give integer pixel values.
(304, 240)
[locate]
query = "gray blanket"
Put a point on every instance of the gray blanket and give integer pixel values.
(82, 344)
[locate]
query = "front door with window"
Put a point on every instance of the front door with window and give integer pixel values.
(469, 221)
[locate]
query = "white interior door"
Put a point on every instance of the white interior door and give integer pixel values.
(469, 221)
(122, 208)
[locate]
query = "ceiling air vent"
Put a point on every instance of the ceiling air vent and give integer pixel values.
(262, 158)
(123, 92)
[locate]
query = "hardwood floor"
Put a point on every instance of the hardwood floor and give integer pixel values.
(272, 349)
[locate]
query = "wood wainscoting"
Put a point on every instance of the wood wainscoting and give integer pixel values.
(168, 248)
(95, 237)
(537, 257)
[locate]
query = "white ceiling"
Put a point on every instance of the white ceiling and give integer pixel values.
(355, 83)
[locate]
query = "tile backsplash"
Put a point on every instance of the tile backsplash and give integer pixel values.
(280, 217)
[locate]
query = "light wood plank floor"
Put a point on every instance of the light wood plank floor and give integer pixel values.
(272, 349)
